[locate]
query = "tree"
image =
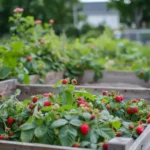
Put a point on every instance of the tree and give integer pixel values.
(59, 10)
(132, 11)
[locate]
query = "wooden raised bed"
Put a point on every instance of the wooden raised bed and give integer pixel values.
(114, 77)
(51, 77)
(9, 86)
(142, 143)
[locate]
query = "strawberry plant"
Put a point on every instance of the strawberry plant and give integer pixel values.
(74, 118)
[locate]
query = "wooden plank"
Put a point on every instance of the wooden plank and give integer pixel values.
(120, 143)
(114, 77)
(8, 145)
(7, 87)
(51, 77)
(143, 142)
(33, 89)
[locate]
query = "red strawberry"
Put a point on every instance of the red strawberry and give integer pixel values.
(118, 98)
(140, 122)
(29, 58)
(84, 128)
(148, 121)
(131, 126)
(10, 121)
(108, 107)
(11, 133)
(80, 99)
(31, 106)
(83, 103)
(47, 103)
(130, 111)
(1, 95)
(148, 115)
(34, 99)
(93, 117)
(105, 146)
(75, 145)
(45, 94)
(74, 81)
(121, 96)
(118, 134)
(2, 137)
(134, 100)
(64, 81)
(135, 109)
(104, 93)
(139, 129)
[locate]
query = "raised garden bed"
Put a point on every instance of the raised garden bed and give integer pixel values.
(8, 87)
(112, 77)
(51, 77)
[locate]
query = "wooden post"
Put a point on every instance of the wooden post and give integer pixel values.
(120, 143)
(143, 142)
(7, 87)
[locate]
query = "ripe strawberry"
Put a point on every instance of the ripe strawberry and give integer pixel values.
(75, 145)
(148, 115)
(105, 146)
(118, 134)
(130, 111)
(118, 98)
(31, 106)
(34, 99)
(131, 126)
(139, 129)
(11, 133)
(80, 99)
(29, 58)
(83, 103)
(10, 121)
(134, 100)
(108, 107)
(2, 137)
(104, 93)
(135, 109)
(93, 117)
(84, 128)
(140, 122)
(45, 94)
(47, 103)
(122, 97)
(64, 81)
(1, 95)
(74, 81)
(148, 121)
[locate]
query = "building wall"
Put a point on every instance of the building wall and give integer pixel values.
(111, 20)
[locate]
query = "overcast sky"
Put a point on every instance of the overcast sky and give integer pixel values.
(94, 0)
